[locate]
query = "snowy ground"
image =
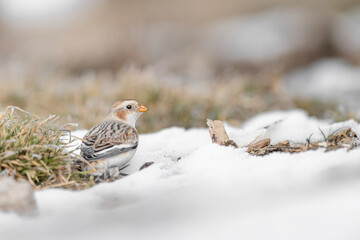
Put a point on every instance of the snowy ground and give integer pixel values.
(213, 192)
(329, 79)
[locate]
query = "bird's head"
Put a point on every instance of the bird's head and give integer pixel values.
(127, 111)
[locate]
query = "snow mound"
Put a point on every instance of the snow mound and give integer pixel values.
(212, 192)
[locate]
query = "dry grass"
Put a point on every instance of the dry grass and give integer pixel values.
(34, 149)
(324, 109)
(86, 98)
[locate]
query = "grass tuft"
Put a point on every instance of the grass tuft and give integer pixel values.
(34, 149)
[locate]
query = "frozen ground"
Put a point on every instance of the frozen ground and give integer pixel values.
(212, 192)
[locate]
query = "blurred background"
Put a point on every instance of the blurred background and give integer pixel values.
(186, 60)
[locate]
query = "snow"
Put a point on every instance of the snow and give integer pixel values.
(212, 192)
(296, 126)
(328, 79)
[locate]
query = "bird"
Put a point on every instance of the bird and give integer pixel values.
(109, 146)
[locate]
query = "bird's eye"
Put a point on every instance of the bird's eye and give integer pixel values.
(128, 106)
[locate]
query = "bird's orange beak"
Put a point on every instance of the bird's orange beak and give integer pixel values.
(143, 108)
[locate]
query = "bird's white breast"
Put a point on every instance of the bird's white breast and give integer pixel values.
(118, 161)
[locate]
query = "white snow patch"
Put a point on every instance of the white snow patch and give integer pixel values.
(328, 79)
(212, 192)
(243, 138)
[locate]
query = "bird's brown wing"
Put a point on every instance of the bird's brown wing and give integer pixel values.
(108, 139)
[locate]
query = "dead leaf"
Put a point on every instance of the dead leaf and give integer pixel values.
(258, 145)
(218, 133)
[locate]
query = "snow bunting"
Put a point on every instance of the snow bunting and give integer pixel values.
(110, 145)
